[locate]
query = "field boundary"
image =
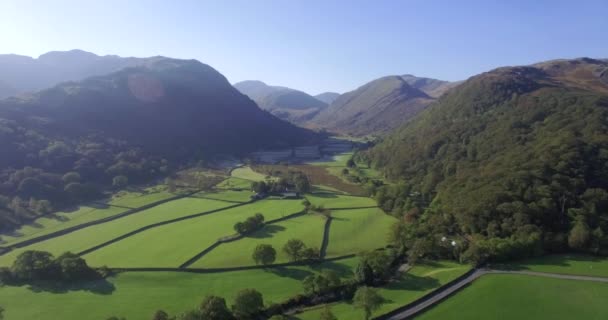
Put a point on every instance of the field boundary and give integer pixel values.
(325, 242)
(233, 269)
(25, 243)
(233, 238)
(158, 224)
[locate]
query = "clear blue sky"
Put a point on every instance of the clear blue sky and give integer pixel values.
(315, 45)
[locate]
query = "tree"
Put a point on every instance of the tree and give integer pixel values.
(264, 254)
(321, 283)
(311, 254)
(294, 249)
(326, 314)
(350, 163)
(368, 299)
(579, 235)
(364, 273)
(1, 313)
(247, 303)
(332, 277)
(71, 177)
(308, 283)
(120, 181)
(73, 268)
(33, 265)
(239, 227)
(160, 315)
(214, 308)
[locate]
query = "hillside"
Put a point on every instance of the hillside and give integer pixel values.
(511, 161)
(128, 126)
(288, 104)
(26, 74)
(376, 107)
(327, 97)
(433, 87)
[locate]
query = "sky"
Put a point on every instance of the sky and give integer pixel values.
(315, 45)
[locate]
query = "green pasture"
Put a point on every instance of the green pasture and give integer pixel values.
(226, 195)
(137, 295)
(333, 200)
(91, 236)
(65, 219)
(247, 173)
(173, 244)
(357, 230)
(576, 264)
(308, 228)
(524, 297)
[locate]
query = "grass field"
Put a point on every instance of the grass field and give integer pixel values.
(136, 295)
(417, 282)
(226, 195)
(235, 183)
(358, 230)
(173, 244)
(524, 297)
(134, 199)
(333, 200)
(59, 221)
(308, 228)
(65, 219)
(248, 174)
(91, 236)
(565, 264)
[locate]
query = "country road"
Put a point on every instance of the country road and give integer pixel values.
(417, 307)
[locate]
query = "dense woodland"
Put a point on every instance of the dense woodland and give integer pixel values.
(512, 163)
(69, 143)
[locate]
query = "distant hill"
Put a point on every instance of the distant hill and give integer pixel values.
(511, 162)
(26, 74)
(288, 104)
(327, 97)
(136, 123)
(433, 87)
(374, 108)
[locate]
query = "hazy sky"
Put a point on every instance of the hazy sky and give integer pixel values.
(315, 45)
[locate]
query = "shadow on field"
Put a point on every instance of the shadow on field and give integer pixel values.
(414, 283)
(561, 260)
(286, 272)
(267, 232)
(102, 286)
(324, 194)
(341, 269)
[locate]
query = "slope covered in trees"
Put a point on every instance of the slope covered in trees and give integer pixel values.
(511, 162)
(66, 143)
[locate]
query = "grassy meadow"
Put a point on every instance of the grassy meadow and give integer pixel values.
(524, 297)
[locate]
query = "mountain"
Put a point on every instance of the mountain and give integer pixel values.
(433, 87)
(6, 90)
(511, 162)
(376, 107)
(327, 97)
(26, 74)
(132, 125)
(288, 104)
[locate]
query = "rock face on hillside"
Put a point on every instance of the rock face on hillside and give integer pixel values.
(515, 159)
(375, 108)
(288, 104)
